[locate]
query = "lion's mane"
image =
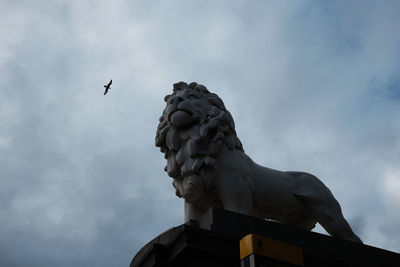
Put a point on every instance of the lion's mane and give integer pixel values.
(191, 152)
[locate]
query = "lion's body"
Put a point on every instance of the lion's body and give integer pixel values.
(276, 195)
(210, 168)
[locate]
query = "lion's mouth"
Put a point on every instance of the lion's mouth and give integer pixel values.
(181, 118)
(180, 110)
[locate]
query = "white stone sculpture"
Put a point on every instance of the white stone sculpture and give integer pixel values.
(210, 169)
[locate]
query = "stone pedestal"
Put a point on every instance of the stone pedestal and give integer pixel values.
(214, 241)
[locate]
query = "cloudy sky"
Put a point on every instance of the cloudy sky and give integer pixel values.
(312, 85)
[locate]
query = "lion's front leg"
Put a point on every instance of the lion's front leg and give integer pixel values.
(235, 194)
(239, 201)
(193, 212)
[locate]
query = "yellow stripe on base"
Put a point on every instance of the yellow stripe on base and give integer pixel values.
(255, 244)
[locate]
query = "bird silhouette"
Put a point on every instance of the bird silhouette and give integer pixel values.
(107, 87)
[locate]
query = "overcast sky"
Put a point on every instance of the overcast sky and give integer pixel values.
(312, 85)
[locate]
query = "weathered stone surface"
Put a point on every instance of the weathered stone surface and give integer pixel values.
(209, 168)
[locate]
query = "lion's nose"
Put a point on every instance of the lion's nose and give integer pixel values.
(176, 100)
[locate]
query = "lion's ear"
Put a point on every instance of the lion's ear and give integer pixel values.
(216, 101)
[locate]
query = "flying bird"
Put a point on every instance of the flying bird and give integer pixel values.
(107, 87)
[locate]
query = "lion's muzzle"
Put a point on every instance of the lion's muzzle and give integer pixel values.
(182, 117)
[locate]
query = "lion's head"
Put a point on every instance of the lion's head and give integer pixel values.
(193, 127)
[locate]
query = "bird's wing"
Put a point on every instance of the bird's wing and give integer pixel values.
(110, 83)
(105, 92)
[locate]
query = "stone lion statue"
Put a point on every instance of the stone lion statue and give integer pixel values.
(209, 168)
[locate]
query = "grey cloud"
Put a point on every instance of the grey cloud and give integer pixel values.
(311, 87)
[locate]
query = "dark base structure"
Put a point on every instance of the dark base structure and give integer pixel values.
(215, 241)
